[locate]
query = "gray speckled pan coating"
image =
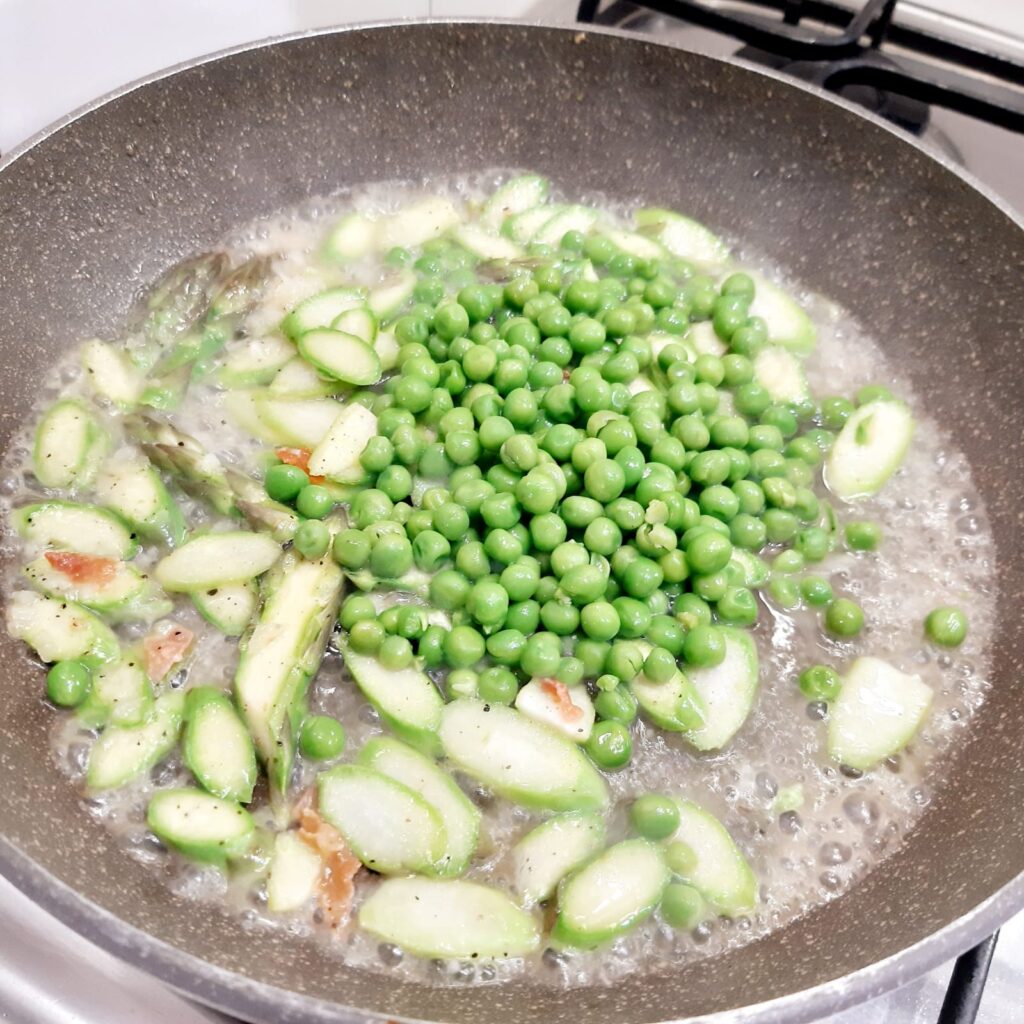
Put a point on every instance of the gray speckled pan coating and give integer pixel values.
(927, 262)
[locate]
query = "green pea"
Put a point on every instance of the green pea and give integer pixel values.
(321, 738)
(634, 616)
(356, 608)
(816, 591)
(411, 330)
(569, 671)
(412, 622)
(873, 393)
(538, 491)
(719, 501)
(391, 556)
(476, 301)
(587, 452)
(844, 618)
(68, 683)
(737, 606)
(389, 618)
(505, 546)
(451, 321)
(497, 685)
(602, 536)
(835, 412)
(610, 745)
(708, 552)
(751, 399)
(582, 297)
(805, 449)
(521, 408)
(704, 646)
(462, 682)
(429, 550)
(654, 816)
(541, 655)
(312, 539)
(604, 480)
(351, 549)
(314, 502)
(668, 633)
(600, 620)
(569, 555)
(521, 579)
(625, 660)
(861, 535)
(584, 583)
(506, 646)
(946, 626)
(660, 665)
(487, 602)
(554, 321)
(785, 591)
(625, 513)
(560, 439)
(593, 654)
(449, 589)
(494, 432)
(681, 859)
(430, 648)
(518, 292)
(813, 543)
(451, 521)
(748, 532)
(642, 577)
(412, 393)
(782, 419)
(617, 705)
(682, 906)
(787, 562)
(284, 482)
(819, 682)
(781, 525)
(395, 653)
(366, 636)
(463, 647)
(560, 617)
(822, 439)
(471, 559)
(524, 616)
(547, 531)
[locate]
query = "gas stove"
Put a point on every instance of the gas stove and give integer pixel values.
(898, 59)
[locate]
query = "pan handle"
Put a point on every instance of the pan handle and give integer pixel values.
(967, 984)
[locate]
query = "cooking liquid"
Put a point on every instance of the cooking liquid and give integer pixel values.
(937, 549)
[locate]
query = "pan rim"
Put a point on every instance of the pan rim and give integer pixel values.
(237, 994)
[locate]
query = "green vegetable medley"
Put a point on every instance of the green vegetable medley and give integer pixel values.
(540, 483)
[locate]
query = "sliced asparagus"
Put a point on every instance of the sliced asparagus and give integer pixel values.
(435, 918)
(122, 753)
(217, 747)
(282, 653)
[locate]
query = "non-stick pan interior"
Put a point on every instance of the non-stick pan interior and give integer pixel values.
(928, 264)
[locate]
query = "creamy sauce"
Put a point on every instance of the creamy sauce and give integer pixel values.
(937, 550)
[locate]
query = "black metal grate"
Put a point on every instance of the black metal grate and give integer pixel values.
(847, 53)
(847, 49)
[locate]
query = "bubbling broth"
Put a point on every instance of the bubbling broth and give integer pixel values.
(809, 827)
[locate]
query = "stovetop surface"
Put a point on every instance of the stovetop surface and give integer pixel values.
(51, 975)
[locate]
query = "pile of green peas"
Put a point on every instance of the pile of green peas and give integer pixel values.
(560, 472)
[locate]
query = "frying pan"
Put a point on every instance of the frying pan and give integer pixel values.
(930, 264)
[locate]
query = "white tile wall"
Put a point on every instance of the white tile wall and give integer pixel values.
(56, 55)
